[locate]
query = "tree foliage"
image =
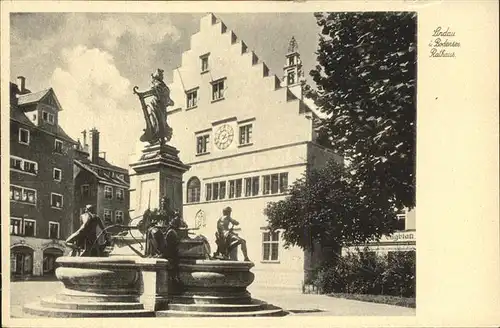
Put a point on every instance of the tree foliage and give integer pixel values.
(326, 206)
(365, 81)
(366, 84)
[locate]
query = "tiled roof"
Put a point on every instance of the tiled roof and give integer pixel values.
(19, 116)
(33, 97)
(105, 178)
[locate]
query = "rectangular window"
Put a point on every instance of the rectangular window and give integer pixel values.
(30, 167)
(251, 186)
(274, 184)
(107, 215)
(24, 136)
(270, 246)
(48, 117)
(283, 182)
(53, 230)
(120, 194)
(218, 90)
(191, 99)
(108, 192)
(29, 227)
(291, 78)
(267, 184)
(238, 187)
(24, 165)
(58, 146)
(57, 174)
(290, 61)
(118, 216)
(215, 188)
(56, 200)
(246, 134)
(85, 190)
(16, 163)
(222, 190)
(15, 226)
(231, 188)
(21, 194)
(255, 186)
(401, 222)
(208, 194)
(248, 187)
(204, 63)
(202, 144)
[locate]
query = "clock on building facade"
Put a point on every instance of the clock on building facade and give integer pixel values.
(224, 136)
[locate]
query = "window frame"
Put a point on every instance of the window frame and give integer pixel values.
(23, 189)
(106, 192)
(52, 194)
(54, 170)
(120, 191)
(204, 59)
(28, 134)
(24, 227)
(49, 116)
(245, 137)
(220, 92)
(56, 150)
(107, 210)
(21, 226)
(202, 142)
(58, 229)
(23, 161)
(401, 217)
(282, 189)
(190, 197)
(194, 103)
(270, 242)
(116, 216)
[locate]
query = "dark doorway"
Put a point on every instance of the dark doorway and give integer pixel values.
(21, 262)
(49, 260)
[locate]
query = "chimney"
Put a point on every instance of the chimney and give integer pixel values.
(21, 83)
(94, 145)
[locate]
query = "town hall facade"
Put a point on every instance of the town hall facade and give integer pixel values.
(247, 136)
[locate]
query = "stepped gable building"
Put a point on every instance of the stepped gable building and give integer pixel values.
(100, 183)
(41, 181)
(247, 135)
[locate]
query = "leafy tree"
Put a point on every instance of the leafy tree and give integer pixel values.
(366, 82)
(326, 206)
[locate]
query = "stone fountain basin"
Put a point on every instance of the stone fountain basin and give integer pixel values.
(101, 275)
(216, 274)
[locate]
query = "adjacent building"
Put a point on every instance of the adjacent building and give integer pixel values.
(41, 181)
(247, 135)
(99, 183)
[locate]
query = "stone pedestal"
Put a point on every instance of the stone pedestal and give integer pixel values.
(157, 173)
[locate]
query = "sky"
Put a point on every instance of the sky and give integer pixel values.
(93, 60)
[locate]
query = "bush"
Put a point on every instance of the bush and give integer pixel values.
(368, 273)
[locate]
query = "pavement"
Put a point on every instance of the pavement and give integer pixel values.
(292, 300)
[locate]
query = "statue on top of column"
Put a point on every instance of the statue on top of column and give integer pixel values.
(155, 110)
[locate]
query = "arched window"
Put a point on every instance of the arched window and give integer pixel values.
(193, 190)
